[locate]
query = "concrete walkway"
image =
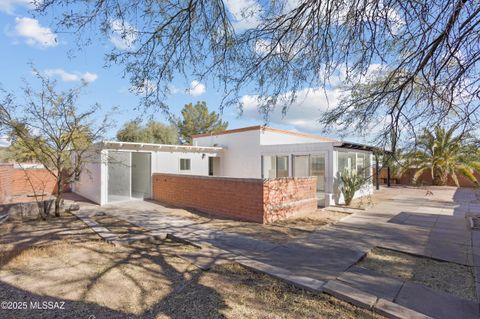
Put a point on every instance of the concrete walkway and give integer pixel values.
(408, 220)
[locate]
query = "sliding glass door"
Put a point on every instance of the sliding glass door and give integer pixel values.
(311, 165)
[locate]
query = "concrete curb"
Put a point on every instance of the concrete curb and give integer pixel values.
(368, 301)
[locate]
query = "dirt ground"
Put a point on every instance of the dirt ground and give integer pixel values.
(61, 260)
(280, 231)
(439, 275)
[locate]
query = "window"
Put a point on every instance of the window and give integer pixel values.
(300, 166)
(275, 166)
(358, 162)
(184, 164)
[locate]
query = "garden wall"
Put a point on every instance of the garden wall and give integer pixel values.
(256, 200)
(18, 185)
(424, 179)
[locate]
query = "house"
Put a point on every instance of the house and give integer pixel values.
(123, 171)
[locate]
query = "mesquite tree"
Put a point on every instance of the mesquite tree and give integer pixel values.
(50, 129)
(403, 64)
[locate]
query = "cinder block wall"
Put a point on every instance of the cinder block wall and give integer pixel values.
(255, 200)
(16, 184)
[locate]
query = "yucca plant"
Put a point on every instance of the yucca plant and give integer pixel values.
(444, 154)
(351, 183)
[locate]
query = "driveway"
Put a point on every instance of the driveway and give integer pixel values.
(423, 222)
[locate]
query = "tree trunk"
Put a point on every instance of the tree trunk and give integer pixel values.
(440, 178)
(58, 199)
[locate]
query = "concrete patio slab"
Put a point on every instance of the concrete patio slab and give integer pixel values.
(447, 251)
(436, 304)
(372, 282)
(350, 294)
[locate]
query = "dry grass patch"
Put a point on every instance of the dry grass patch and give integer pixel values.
(277, 232)
(147, 280)
(312, 221)
(144, 280)
(439, 275)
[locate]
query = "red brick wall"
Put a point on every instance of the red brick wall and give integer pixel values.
(15, 184)
(285, 197)
(253, 200)
(5, 182)
(424, 179)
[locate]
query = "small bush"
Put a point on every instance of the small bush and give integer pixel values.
(351, 183)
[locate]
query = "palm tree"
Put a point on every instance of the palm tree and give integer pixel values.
(444, 154)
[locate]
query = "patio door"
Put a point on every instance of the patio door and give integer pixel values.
(312, 165)
(317, 168)
(119, 176)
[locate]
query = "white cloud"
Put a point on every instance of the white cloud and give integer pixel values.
(246, 13)
(34, 33)
(71, 76)
(146, 87)
(196, 88)
(303, 114)
(123, 34)
(4, 141)
(8, 6)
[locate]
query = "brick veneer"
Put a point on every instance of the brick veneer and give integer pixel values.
(16, 184)
(255, 200)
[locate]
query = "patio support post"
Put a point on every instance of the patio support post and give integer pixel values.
(377, 174)
(388, 176)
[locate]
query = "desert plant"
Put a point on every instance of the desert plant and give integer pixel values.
(351, 183)
(444, 154)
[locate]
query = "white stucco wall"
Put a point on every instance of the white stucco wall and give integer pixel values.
(241, 156)
(169, 162)
(90, 180)
(274, 138)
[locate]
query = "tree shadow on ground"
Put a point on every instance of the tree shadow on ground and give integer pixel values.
(128, 274)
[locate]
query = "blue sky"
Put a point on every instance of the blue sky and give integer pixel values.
(25, 40)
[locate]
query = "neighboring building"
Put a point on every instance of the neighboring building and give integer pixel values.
(123, 170)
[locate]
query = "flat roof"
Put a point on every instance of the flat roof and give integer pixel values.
(270, 129)
(360, 147)
(134, 146)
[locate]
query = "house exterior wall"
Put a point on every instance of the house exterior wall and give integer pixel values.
(243, 149)
(169, 162)
(91, 181)
(255, 200)
(269, 137)
(241, 157)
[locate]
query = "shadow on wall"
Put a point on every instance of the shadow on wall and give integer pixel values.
(286, 197)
